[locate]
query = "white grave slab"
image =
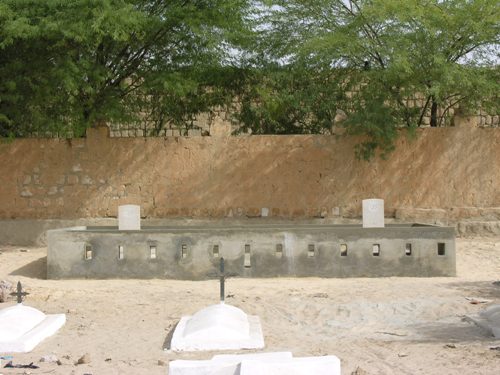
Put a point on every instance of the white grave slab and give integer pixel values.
(373, 213)
(279, 363)
(218, 327)
(271, 356)
(129, 217)
(227, 364)
(326, 365)
(22, 328)
(208, 367)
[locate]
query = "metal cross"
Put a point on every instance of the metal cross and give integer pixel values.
(19, 293)
(222, 280)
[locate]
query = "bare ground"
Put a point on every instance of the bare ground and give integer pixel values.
(379, 326)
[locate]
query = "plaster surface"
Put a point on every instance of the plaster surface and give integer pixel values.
(218, 327)
(279, 363)
(22, 328)
(129, 217)
(225, 364)
(192, 252)
(325, 365)
(373, 213)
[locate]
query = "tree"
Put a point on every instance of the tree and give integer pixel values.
(65, 66)
(395, 62)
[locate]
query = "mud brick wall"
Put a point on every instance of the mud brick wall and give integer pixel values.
(452, 169)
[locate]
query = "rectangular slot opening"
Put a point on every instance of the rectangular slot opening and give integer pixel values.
(343, 250)
(247, 262)
(376, 250)
(408, 249)
(310, 250)
(152, 251)
(279, 250)
(121, 254)
(184, 250)
(215, 251)
(441, 248)
(88, 252)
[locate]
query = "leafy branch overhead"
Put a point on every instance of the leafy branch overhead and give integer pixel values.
(72, 64)
(385, 63)
(292, 66)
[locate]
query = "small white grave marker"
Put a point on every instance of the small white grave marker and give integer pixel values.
(129, 217)
(373, 213)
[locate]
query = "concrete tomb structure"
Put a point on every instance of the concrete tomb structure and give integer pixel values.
(254, 249)
(279, 363)
(23, 327)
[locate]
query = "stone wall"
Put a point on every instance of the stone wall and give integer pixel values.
(453, 171)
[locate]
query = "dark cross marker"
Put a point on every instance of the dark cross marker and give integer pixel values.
(20, 294)
(222, 280)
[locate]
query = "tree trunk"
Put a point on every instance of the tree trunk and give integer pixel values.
(434, 109)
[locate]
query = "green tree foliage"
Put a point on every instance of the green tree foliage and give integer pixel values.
(372, 58)
(66, 65)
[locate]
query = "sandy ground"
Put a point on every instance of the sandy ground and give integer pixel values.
(377, 326)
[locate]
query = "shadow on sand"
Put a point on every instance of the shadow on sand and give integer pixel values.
(478, 289)
(35, 270)
(465, 331)
(168, 340)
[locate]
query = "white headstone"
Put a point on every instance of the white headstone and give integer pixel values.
(129, 217)
(373, 213)
(22, 328)
(325, 365)
(218, 327)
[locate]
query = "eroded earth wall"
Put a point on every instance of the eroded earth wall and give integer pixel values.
(456, 170)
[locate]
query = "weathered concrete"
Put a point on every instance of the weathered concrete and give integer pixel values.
(270, 250)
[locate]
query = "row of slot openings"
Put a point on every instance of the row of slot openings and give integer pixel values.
(121, 252)
(311, 251)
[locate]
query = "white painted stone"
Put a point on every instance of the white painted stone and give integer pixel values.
(264, 212)
(257, 364)
(226, 364)
(181, 367)
(22, 328)
(129, 217)
(326, 365)
(373, 213)
(218, 327)
(271, 356)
